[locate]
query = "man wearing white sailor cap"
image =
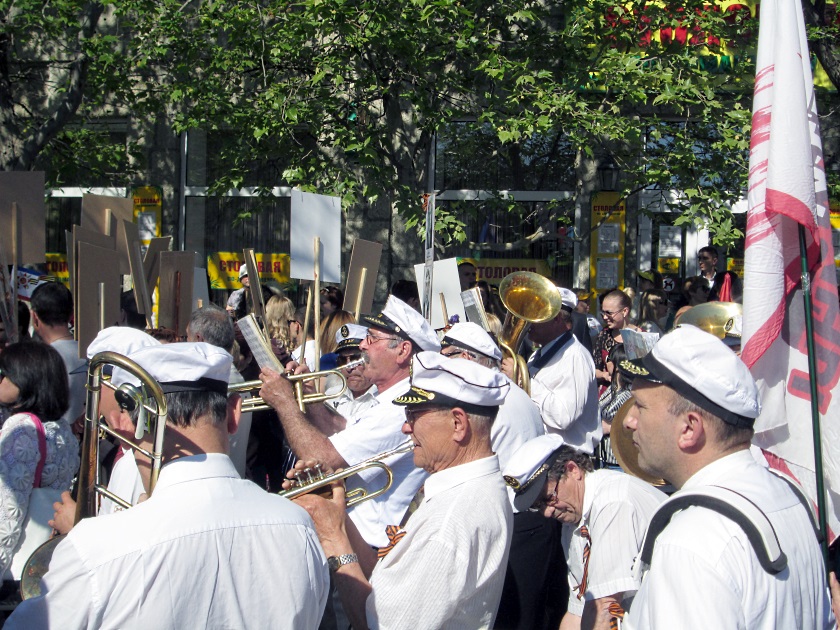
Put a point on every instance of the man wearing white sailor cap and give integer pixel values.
(361, 392)
(532, 566)
(735, 546)
(446, 567)
(393, 337)
(563, 379)
(604, 514)
(199, 549)
(124, 480)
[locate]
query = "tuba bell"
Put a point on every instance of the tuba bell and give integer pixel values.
(529, 299)
(149, 402)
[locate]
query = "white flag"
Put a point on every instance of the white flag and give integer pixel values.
(787, 189)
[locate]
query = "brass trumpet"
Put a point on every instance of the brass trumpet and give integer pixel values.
(258, 404)
(312, 479)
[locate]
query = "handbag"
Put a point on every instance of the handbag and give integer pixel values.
(35, 529)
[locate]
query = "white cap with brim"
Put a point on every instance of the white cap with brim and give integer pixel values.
(439, 381)
(181, 367)
(569, 298)
(526, 470)
(471, 336)
(401, 319)
(120, 339)
(349, 336)
(702, 369)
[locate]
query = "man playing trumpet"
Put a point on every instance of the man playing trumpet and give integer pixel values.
(453, 550)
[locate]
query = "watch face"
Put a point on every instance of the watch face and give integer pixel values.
(333, 563)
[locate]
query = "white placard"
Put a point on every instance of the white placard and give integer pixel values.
(607, 270)
(608, 236)
(444, 280)
(670, 242)
(315, 216)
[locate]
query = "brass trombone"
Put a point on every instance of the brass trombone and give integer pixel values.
(258, 404)
(149, 401)
(312, 479)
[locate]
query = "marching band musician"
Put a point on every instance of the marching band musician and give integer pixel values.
(446, 567)
(360, 393)
(394, 336)
(604, 512)
(695, 405)
(124, 480)
(198, 551)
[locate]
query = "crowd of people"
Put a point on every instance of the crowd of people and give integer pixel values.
(501, 505)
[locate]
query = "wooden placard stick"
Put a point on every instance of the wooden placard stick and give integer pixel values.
(317, 305)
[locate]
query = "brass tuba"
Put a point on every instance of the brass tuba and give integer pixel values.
(529, 299)
(149, 401)
(716, 318)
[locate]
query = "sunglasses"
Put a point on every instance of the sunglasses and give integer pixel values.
(344, 359)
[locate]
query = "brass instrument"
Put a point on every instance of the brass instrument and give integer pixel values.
(529, 299)
(149, 400)
(716, 318)
(312, 479)
(258, 404)
(626, 453)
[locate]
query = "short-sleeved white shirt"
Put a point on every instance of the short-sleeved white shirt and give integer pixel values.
(374, 431)
(617, 509)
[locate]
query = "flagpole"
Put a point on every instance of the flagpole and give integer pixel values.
(815, 401)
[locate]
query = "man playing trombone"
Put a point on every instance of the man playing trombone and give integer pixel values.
(446, 568)
(198, 551)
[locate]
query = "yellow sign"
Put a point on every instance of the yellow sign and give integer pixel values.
(670, 266)
(148, 208)
(57, 268)
(606, 260)
(835, 230)
(223, 268)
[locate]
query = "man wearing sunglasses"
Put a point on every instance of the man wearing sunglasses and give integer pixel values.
(393, 337)
(604, 513)
(360, 393)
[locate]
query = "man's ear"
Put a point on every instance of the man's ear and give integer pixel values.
(692, 435)
(460, 424)
(234, 412)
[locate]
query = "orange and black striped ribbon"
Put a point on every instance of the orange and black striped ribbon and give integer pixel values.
(581, 588)
(616, 615)
(395, 535)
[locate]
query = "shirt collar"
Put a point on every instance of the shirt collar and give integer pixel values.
(591, 483)
(452, 477)
(194, 467)
(719, 470)
(397, 389)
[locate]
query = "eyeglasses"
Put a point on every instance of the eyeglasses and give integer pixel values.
(292, 321)
(453, 352)
(344, 359)
(611, 313)
(371, 339)
(546, 501)
(413, 415)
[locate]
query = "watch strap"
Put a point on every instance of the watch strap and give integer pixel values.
(334, 562)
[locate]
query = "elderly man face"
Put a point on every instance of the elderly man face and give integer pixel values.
(358, 380)
(379, 356)
(430, 429)
(655, 429)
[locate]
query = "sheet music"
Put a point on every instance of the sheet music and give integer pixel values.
(260, 348)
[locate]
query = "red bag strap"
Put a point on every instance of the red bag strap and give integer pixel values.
(42, 447)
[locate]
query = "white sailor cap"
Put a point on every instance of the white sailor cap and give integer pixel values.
(243, 270)
(120, 339)
(569, 298)
(471, 336)
(349, 336)
(438, 381)
(526, 470)
(400, 318)
(181, 367)
(702, 369)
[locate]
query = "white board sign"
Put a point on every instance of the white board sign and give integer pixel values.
(444, 280)
(315, 216)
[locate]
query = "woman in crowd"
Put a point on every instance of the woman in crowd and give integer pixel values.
(654, 311)
(37, 449)
(332, 299)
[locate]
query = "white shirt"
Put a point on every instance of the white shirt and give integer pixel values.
(125, 482)
(350, 406)
(375, 431)
(207, 550)
(567, 395)
(617, 509)
(76, 375)
(309, 355)
(449, 569)
(704, 572)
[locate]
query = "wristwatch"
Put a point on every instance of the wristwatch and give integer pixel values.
(334, 562)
